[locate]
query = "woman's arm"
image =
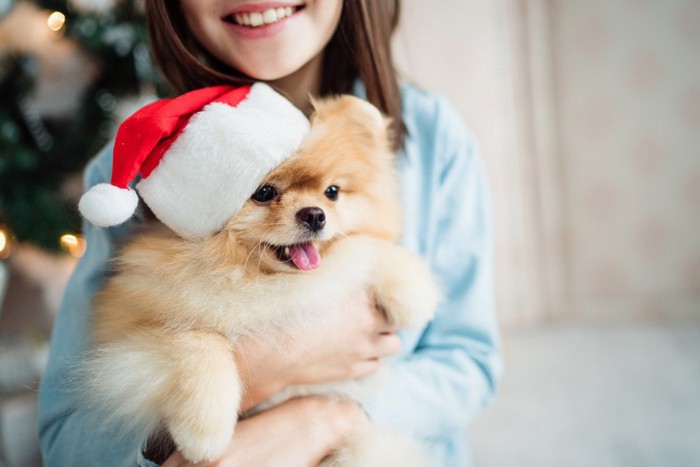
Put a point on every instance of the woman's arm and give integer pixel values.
(70, 434)
(297, 433)
(436, 390)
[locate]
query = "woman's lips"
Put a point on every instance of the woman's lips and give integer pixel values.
(261, 20)
(261, 14)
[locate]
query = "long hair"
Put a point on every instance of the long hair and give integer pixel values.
(359, 49)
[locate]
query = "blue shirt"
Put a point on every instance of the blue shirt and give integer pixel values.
(443, 375)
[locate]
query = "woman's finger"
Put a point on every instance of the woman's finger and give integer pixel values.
(386, 345)
(364, 367)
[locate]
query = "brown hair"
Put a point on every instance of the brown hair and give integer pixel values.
(360, 48)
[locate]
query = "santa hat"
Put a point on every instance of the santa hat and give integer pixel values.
(201, 156)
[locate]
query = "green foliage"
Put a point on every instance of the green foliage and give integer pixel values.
(38, 153)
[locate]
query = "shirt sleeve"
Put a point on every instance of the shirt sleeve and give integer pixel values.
(436, 390)
(69, 433)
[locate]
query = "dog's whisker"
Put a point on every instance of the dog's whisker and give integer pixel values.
(251, 253)
(260, 256)
(263, 250)
(247, 258)
(259, 246)
(273, 259)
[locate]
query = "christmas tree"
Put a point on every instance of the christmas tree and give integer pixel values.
(44, 144)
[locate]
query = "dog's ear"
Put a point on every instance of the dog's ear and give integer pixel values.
(358, 116)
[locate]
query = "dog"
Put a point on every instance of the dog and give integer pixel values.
(321, 228)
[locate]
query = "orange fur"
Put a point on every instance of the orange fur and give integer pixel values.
(166, 323)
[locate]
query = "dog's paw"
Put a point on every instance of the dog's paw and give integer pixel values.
(412, 308)
(198, 444)
(203, 426)
(407, 291)
(371, 445)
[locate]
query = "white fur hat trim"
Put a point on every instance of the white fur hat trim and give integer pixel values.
(122, 203)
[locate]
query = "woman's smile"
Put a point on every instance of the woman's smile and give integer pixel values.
(252, 21)
(257, 16)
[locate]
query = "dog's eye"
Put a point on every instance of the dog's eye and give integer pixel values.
(265, 194)
(332, 192)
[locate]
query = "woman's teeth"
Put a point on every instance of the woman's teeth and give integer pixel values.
(256, 19)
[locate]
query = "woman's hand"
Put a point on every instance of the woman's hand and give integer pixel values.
(343, 344)
(297, 433)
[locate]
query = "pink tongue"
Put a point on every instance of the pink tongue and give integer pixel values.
(305, 256)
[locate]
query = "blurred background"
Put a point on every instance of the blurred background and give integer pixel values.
(588, 117)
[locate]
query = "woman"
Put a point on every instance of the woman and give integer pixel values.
(441, 376)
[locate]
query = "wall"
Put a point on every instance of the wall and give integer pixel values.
(588, 114)
(628, 101)
(462, 50)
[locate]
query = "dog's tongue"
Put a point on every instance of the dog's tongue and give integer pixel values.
(305, 256)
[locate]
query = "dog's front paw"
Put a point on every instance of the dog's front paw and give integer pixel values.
(406, 290)
(199, 442)
(410, 307)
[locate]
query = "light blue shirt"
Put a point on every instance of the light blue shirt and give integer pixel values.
(443, 375)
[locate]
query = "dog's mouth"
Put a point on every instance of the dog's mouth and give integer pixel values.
(304, 256)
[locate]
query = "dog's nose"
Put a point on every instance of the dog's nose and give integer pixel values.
(312, 218)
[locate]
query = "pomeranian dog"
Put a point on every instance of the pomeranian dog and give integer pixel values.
(321, 228)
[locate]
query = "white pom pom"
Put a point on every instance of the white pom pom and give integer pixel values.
(105, 205)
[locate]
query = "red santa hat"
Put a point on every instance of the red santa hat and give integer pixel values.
(201, 156)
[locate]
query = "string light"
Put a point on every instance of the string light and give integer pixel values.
(5, 242)
(56, 21)
(74, 244)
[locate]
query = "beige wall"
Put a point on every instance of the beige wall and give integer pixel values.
(628, 90)
(588, 114)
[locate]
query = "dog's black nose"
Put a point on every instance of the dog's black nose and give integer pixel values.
(312, 218)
